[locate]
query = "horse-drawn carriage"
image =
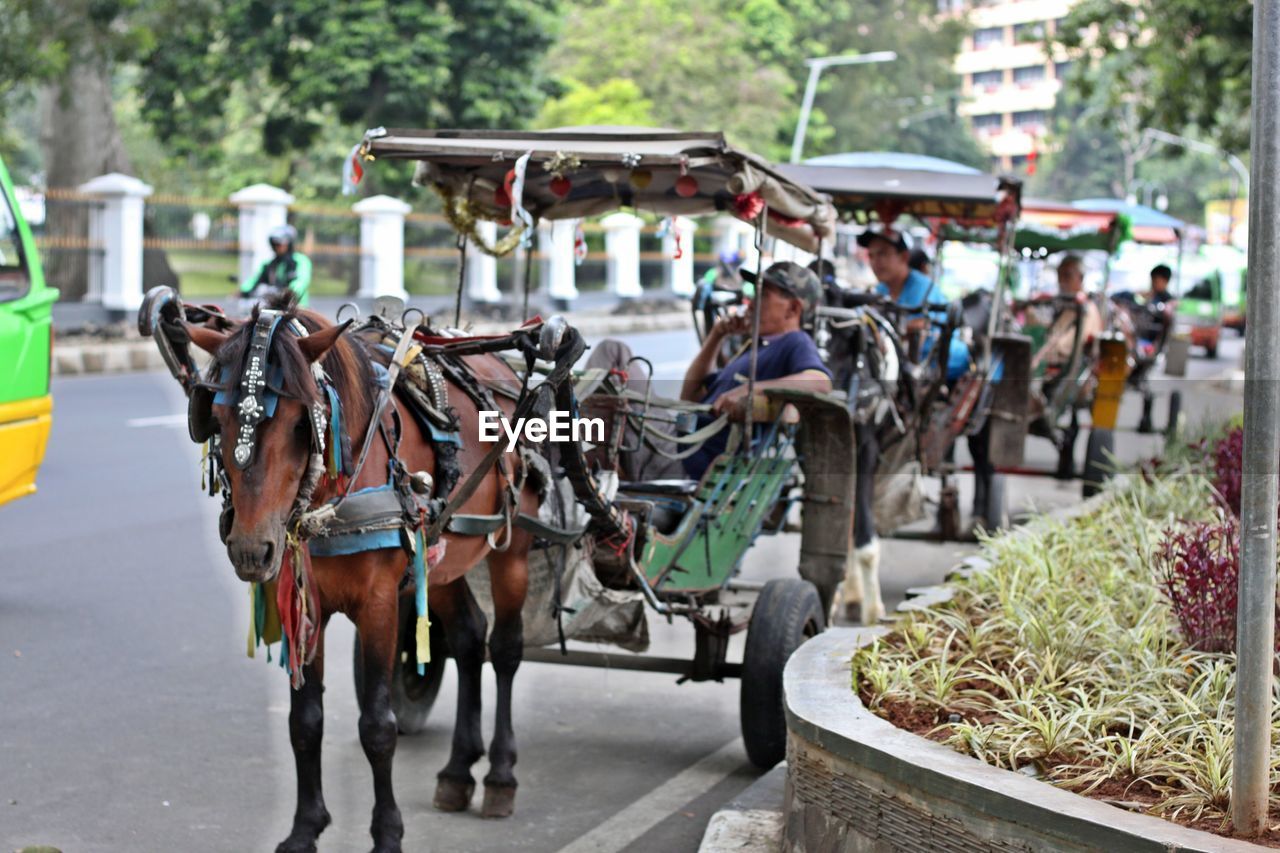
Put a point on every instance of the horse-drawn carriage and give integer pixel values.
(354, 477)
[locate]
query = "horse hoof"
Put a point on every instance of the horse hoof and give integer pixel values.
(853, 611)
(293, 845)
(453, 795)
(499, 801)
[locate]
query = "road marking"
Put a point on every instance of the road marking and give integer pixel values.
(159, 420)
(657, 805)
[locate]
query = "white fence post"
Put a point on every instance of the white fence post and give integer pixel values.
(482, 268)
(622, 246)
(381, 246)
(555, 241)
(734, 235)
(115, 276)
(262, 208)
(677, 273)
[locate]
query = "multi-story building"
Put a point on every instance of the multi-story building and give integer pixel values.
(1008, 80)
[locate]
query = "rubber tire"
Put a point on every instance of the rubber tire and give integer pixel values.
(1211, 352)
(1175, 415)
(996, 512)
(412, 695)
(1097, 461)
(787, 612)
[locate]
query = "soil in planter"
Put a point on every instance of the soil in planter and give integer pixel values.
(1132, 795)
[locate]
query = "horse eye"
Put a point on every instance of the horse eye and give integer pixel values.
(303, 426)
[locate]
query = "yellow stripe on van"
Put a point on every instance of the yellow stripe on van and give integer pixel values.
(24, 432)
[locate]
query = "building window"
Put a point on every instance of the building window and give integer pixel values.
(989, 37)
(1033, 31)
(1062, 70)
(1029, 75)
(987, 81)
(1029, 120)
(988, 123)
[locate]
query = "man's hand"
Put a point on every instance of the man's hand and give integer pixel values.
(732, 403)
(731, 324)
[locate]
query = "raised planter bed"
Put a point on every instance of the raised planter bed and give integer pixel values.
(856, 782)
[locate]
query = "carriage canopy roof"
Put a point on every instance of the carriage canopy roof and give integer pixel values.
(1050, 226)
(576, 172)
(1149, 225)
(883, 193)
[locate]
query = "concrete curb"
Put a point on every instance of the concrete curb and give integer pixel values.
(857, 782)
(753, 820)
(127, 355)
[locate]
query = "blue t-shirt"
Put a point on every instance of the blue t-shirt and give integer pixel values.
(778, 356)
(915, 291)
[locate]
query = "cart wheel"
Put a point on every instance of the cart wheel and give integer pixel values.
(1211, 352)
(1097, 461)
(1175, 415)
(412, 695)
(995, 513)
(787, 613)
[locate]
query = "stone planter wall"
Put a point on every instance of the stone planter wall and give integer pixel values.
(858, 783)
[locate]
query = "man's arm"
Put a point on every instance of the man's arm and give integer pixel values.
(247, 286)
(691, 390)
(806, 380)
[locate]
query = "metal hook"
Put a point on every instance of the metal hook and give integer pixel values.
(355, 310)
(422, 317)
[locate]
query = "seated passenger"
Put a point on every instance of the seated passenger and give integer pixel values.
(787, 357)
(889, 253)
(1059, 342)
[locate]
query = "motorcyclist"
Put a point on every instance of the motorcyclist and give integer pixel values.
(285, 268)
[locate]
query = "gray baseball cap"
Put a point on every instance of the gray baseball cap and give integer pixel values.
(792, 279)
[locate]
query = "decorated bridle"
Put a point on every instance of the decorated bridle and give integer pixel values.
(260, 390)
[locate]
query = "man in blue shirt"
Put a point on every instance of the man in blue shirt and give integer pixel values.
(787, 357)
(889, 254)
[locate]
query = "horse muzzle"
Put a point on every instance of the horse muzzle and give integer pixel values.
(256, 559)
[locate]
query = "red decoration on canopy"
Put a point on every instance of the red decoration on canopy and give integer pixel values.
(686, 186)
(889, 209)
(560, 186)
(747, 206)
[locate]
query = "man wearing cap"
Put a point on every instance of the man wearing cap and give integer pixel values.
(284, 269)
(786, 358)
(889, 253)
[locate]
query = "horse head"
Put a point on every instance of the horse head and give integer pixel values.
(267, 409)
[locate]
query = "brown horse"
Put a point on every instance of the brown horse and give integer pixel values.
(366, 586)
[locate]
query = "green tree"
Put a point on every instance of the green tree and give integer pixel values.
(1183, 62)
(614, 101)
(313, 65)
(714, 65)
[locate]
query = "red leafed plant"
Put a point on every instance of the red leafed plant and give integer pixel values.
(1228, 468)
(1199, 565)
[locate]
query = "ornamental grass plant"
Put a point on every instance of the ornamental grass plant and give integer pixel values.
(1094, 653)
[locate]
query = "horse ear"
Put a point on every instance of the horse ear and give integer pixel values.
(316, 344)
(207, 339)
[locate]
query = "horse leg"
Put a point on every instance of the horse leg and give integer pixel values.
(465, 627)
(306, 730)
(509, 572)
(377, 623)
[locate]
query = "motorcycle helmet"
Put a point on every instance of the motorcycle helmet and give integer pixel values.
(285, 235)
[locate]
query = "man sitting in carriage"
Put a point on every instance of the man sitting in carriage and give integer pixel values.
(787, 356)
(889, 253)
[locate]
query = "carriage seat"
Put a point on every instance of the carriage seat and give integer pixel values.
(679, 488)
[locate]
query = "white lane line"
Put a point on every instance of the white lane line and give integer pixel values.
(159, 420)
(657, 805)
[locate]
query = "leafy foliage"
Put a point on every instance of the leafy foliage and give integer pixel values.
(1064, 658)
(1185, 63)
(311, 65)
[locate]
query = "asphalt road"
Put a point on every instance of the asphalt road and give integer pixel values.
(130, 719)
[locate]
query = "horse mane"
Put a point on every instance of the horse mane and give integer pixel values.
(346, 363)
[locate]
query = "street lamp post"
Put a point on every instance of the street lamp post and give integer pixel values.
(818, 64)
(1256, 607)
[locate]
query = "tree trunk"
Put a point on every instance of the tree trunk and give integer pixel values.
(80, 141)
